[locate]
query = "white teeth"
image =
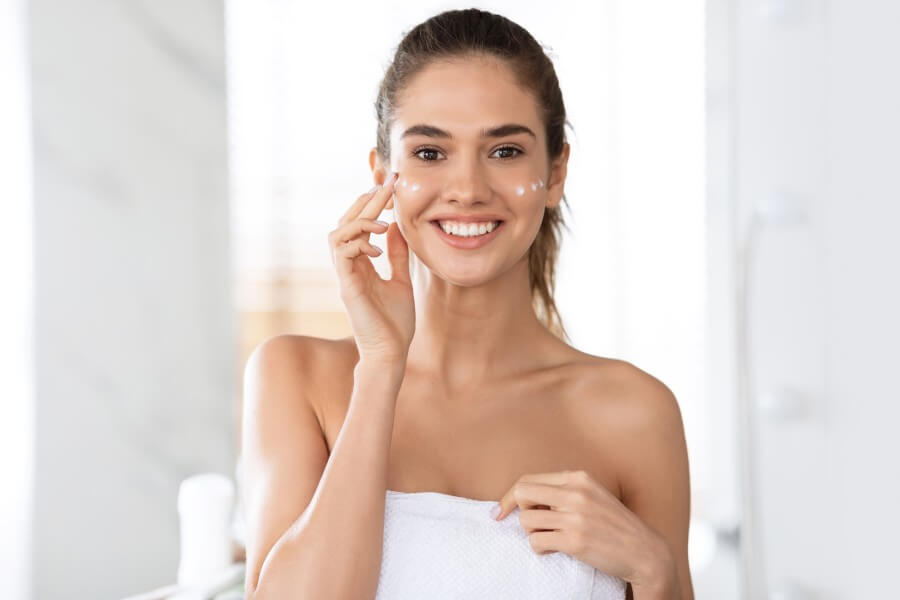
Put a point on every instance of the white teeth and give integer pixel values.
(467, 229)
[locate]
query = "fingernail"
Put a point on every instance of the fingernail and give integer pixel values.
(390, 180)
(382, 223)
(495, 511)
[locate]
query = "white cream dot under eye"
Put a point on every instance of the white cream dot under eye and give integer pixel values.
(520, 189)
(415, 187)
(403, 183)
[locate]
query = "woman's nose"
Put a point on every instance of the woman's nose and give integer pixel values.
(468, 183)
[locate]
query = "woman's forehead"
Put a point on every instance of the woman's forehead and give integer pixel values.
(464, 97)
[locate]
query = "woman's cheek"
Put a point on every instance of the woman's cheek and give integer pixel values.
(410, 188)
(522, 188)
(410, 198)
(411, 194)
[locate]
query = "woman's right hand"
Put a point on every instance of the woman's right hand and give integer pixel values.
(382, 313)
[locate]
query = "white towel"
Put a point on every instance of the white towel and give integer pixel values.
(439, 546)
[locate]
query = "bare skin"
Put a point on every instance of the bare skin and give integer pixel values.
(575, 411)
(474, 442)
(488, 395)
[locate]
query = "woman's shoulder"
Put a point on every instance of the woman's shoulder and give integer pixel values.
(318, 370)
(605, 386)
(308, 353)
(617, 372)
(627, 414)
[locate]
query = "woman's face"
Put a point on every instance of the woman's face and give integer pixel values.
(455, 171)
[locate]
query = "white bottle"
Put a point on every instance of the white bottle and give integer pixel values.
(205, 507)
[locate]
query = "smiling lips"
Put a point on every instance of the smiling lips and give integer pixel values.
(467, 229)
(457, 233)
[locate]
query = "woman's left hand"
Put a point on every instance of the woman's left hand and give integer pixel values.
(588, 522)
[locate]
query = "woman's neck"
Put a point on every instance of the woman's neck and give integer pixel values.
(469, 335)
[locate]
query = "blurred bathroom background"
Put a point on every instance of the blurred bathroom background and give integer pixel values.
(171, 168)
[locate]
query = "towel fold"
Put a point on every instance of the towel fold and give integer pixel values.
(440, 546)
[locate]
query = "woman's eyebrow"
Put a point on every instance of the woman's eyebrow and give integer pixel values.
(493, 132)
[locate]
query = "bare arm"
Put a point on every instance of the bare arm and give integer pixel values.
(315, 522)
(656, 481)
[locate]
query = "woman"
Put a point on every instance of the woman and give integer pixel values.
(372, 462)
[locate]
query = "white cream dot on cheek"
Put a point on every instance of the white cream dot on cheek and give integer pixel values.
(415, 187)
(520, 191)
(403, 183)
(534, 187)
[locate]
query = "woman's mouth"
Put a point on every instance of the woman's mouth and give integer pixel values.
(467, 236)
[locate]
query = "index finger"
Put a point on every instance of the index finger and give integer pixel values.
(374, 207)
(361, 208)
(507, 503)
(357, 205)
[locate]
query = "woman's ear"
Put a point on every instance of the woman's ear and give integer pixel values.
(557, 178)
(379, 174)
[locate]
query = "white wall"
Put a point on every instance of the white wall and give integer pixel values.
(16, 324)
(816, 128)
(135, 340)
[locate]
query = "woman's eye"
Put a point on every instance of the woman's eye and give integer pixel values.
(432, 151)
(513, 148)
(430, 154)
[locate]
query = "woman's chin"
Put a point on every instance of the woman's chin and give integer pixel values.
(468, 273)
(461, 267)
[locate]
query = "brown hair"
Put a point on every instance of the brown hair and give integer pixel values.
(473, 32)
